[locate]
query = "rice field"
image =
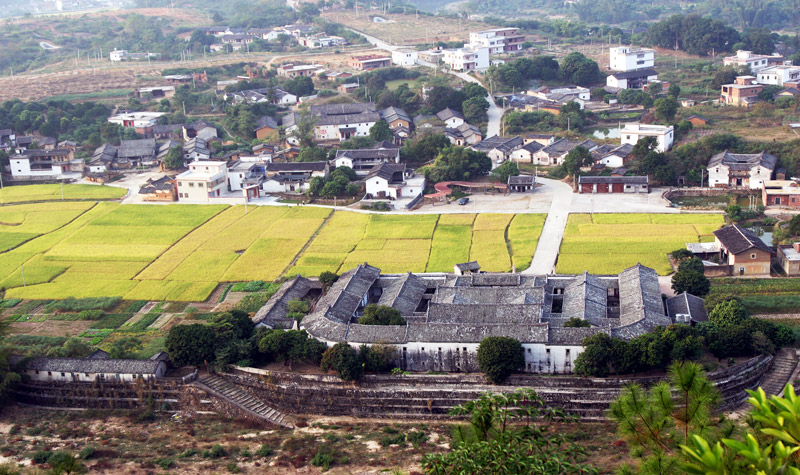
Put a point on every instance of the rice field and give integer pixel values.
(53, 192)
(609, 243)
(182, 252)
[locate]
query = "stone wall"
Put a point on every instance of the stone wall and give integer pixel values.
(163, 394)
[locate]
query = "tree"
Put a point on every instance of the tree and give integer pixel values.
(442, 97)
(472, 89)
(474, 109)
(312, 154)
(8, 377)
(328, 278)
(423, 147)
(300, 86)
(297, 309)
(190, 345)
(507, 169)
(174, 158)
(380, 132)
(125, 348)
(576, 322)
(303, 132)
(674, 90)
(597, 357)
(691, 281)
(665, 109)
(343, 359)
(290, 346)
(458, 163)
(576, 159)
(377, 358)
(504, 436)
(578, 69)
(655, 422)
(727, 314)
(499, 357)
(381, 315)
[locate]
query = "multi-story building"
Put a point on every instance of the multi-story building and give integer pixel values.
(637, 79)
(664, 135)
(626, 58)
(142, 122)
(404, 57)
(466, 59)
(47, 163)
(743, 93)
(370, 61)
(784, 193)
(755, 62)
(497, 40)
(778, 75)
(294, 70)
(748, 170)
(203, 181)
(336, 122)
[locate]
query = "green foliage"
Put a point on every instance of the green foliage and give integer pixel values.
(264, 451)
(76, 305)
(300, 86)
(665, 109)
(474, 109)
(507, 434)
(681, 253)
(381, 315)
(190, 345)
(691, 280)
(507, 169)
(694, 34)
(576, 322)
(728, 314)
(423, 147)
(343, 359)
(291, 346)
(125, 348)
(458, 163)
(377, 358)
(576, 159)
(323, 458)
(174, 158)
(328, 278)
(578, 69)
(499, 357)
(380, 131)
(86, 452)
(63, 462)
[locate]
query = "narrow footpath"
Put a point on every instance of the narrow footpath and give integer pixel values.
(544, 260)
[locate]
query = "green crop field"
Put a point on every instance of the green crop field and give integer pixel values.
(19, 194)
(609, 243)
(182, 252)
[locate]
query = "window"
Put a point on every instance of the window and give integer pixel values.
(180, 183)
(191, 184)
(87, 374)
(753, 256)
(49, 373)
(62, 374)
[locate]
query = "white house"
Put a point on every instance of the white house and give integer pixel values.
(203, 180)
(292, 177)
(748, 170)
(613, 156)
(451, 118)
(755, 62)
(336, 122)
(44, 163)
(626, 58)
(636, 79)
(242, 174)
(466, 58)
(664, 134)
(117, 55)
(526, 153)
(405, 57)
(363, 161)
(497, 40)
(498, 149)
(777, 75)
(555, 153)
(138, 120)
(90, 369)
(393, 181)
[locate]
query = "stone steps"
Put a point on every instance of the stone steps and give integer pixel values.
(783, 366)
(219, 387)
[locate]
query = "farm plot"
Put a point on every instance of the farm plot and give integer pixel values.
(609, 243)
(19, 194)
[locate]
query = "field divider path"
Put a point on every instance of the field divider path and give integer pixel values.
(307, 244)
(547, 249)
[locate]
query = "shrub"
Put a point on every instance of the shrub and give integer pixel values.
(215, 452)
(381, 315)
(41, 456)
(417, 437)
(165, 463)
(575, 322)
(233, 468)
(323, 458)
(396, 439)
(499, 356)
(190, 344)
(328, 278)
(343, 359)
(76, 305)
(86, 453)
(90, 315)
(728, 313)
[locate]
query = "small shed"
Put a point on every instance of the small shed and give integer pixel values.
(467, 268)
(697, 120)
(613, 184)
(522, 183)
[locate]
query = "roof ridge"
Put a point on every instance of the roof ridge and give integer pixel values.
(741, 232)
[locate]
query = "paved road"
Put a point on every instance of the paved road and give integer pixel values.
(544, 260)
(495, 113)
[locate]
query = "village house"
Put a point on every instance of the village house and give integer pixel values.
(104, 159)
(393, 181)
(785, 193)
(369, 61)
(89, 370)
(448, 315)
(697, 120)
(498, 149)
(199, 129)
(243, 175)
(141, 122)
(544, 139)
(45, 163)
(613, 156)
(497, 40)
(168, 131)
(195, 149)
(336, 122)
(743, 251)
(743, 92)
(396, 118)
(292, 70)
(362, 161)
(789, 258)
(267, 128)
(292, 177)
(139, 153)
(466, 59)
(747, 59)
(778, 75)
(627, 58)
(562, 94)
(464, 135)
(686, 308)
(347, 88)
(158, 92)
(664, 135)
(613, 184)
(405, 57)
(522, 184)
(451, 118)
(203, 181)
(637, 79)
(161, 189)
(740, 170)
(526, 153)
(555, 153)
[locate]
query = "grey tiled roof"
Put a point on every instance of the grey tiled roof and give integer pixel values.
(404, 294)
(137, 148)
(299, 167)
(108, 366)
(503, 144)
(630, 180)
(273, 313)
(687, 304)
(449, 113)
(737, 239)
(743, 161)
(387, 171)
(266, 121)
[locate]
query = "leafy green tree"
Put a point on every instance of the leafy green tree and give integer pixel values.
(692, 281)
(312, 154)
(74, 347)
(506, 434)
(343, 359)
(303, 133)
(474, 109)
(8, 377)
(507, 169)
(381, 132)
(727, 314)
(328, 278)
(300, 86)
(125, 348)
(190, 345)
(423, 147)
(442, 97)
(63, 462)
(674, 90)
(578, 69)
(297, 309)
(472, 89)
(655, 422)
(291, 347)
(381, 315)
(174, 158)
(691, 264)
(499, 357)
(576, 322)
(576, 159)
(377, 358)
(458, 163)
(665, 109)
(597, 357)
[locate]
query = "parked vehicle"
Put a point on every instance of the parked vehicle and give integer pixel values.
(463, 201)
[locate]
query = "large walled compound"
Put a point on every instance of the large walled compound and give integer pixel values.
(448, 314)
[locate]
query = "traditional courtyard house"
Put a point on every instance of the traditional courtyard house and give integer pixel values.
(448, 315)
(161, 189)
(498, 149)
(467, 268)
(292, 177)
(451, 118)
(743, 251)
(196, 149)
(92, 369)
(789, 258)
(555, 153)
(273, 314)
(741, 170)
(785, 193)
(464, 135)
(336, 122)
(169, 131)
(203, 181)
(266, 128)
(664, 135)
(522, 184)
(393, 181)
(613, 184)
(362, 161)
(104, 158)
(686, 308)
(526, 153)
